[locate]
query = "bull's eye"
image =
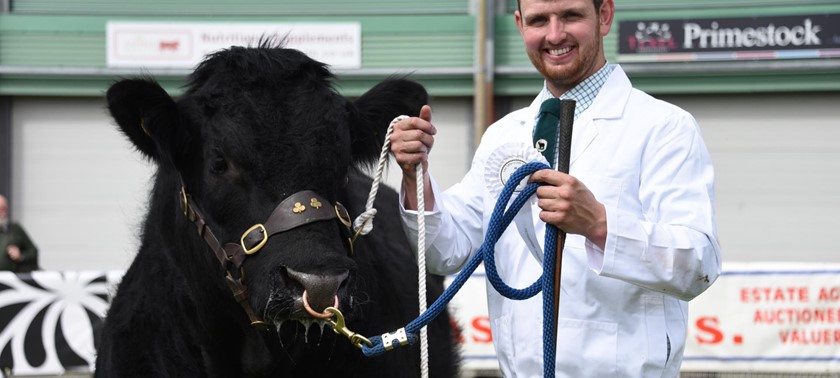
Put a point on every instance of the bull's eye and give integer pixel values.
(218, 165)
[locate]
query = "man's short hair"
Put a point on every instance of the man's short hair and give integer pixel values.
(597, 4)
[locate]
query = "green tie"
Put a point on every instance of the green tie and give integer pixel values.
(545, 132)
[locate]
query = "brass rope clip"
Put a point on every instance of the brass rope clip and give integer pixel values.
(340, 328)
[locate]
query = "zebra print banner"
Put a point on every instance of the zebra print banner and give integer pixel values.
(48, 319)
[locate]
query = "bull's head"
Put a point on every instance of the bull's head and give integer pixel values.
(260, 132)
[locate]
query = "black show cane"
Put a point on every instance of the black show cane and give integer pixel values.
(562, 157)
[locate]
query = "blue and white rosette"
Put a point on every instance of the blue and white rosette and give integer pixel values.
(505, 160)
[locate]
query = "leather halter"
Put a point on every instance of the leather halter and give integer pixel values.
(299, 209)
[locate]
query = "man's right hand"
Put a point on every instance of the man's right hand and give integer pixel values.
(411, 141)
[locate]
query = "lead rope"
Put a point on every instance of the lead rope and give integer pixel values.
(421, 270)
(502, 217)
(364, 224)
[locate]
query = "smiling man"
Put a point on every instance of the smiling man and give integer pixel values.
(637, 205)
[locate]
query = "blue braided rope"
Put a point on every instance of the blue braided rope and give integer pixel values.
(499, 221)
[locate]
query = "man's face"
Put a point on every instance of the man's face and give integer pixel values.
(563, 38)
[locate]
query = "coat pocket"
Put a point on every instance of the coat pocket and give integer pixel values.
(659, 345)
(503, 342)
(607, 190)
(586, 348)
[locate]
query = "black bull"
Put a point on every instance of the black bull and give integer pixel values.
(254, 127)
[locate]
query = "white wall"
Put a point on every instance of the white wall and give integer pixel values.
(777, 163)
(452, 153)
(777, 159)
(79, 187)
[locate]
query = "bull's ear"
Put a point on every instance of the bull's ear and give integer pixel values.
(375, 110)
(144, 112)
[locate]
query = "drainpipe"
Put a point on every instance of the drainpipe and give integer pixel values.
(483, 76)
(6, 149)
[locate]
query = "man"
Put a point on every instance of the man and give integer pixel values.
(637, 204)
(17, 252)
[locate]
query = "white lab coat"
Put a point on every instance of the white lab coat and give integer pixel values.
(623, 308)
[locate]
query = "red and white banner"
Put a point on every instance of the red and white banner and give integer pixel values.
(469, 308)
(782, 317)
(779, 317)
(767, 318)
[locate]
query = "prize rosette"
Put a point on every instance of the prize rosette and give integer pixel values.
(504, 161)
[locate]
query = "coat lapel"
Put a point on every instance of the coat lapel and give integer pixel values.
(609, 104)
(583, 133)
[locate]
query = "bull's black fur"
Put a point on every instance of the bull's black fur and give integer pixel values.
(253, 126)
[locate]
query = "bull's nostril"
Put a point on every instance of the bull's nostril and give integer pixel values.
(315, 314)
(321, 291)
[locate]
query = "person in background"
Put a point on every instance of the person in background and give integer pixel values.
(18, 253)
(637, 205)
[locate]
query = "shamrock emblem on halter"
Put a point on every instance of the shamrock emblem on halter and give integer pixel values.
(298, 208)
(315, 203)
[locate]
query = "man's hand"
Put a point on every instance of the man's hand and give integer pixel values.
(411, 141)
(569, 205)
(14, 253)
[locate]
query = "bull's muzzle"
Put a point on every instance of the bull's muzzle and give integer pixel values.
(319, 291)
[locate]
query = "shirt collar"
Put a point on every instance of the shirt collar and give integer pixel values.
(584, 93)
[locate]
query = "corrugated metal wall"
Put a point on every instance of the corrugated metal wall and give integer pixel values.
(434, 39)
(237, 8)
(61, 43)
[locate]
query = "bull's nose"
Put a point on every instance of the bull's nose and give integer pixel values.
(320, 290)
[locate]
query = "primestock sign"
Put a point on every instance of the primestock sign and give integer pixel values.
(732, 38)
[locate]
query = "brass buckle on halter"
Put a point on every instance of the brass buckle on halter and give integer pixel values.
(185, 203)
(343, 215)
(251, 251)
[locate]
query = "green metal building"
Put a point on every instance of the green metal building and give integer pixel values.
(761, 76)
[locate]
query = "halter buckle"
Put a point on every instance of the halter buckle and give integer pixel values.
(185, 203)
(343, 215)
(251, 251)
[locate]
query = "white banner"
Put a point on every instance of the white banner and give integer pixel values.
(767, 318)
(755, 318)
(469, 309)
(47, 319)
(184, 44)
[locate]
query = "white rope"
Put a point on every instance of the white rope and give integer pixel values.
(364, 224)
(421, 271)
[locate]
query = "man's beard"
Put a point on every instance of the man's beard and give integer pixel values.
(4, 223)
(571, 75)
